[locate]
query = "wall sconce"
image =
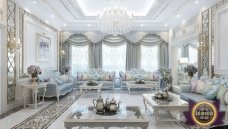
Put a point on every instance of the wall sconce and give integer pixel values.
(13, 45)
(62, 53)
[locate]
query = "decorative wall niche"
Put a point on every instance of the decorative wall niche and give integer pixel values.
(219, 37)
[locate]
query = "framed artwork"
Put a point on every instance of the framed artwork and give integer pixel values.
(43, 46)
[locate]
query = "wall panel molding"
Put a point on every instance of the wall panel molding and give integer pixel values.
(22, 14)
(218, 49)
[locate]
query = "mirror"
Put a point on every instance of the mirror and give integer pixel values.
(187, 55)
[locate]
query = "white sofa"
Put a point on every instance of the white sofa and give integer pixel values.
(133, 74)
(98, 75)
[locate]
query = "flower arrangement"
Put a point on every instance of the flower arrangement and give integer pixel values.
(66, 68)
(166, 75)
(191, 70)
(34, 70)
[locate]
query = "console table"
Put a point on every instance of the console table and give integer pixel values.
(85, 116)
(34, 87)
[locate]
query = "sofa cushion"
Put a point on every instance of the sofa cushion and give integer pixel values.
(206, 88)
(221, 93)
(226, 97)
(194, 97)
(58, 80)
(64, 86)
(212, 92)
(200, 87)
(197, 98)
(148, 77)
(194, 84)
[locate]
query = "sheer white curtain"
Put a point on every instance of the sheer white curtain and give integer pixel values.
(149, 58)
(192, 55)
(114, 57)
(80, 59)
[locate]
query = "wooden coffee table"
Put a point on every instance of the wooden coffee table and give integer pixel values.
(177, 105)
(85, 116)
(86, 87)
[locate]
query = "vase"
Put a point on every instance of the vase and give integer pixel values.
(34, 80)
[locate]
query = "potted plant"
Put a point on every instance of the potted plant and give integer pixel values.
(166, 76)
(191, 70)
(66, 69)
(34, 70)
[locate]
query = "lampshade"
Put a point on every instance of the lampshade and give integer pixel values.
(183, 60)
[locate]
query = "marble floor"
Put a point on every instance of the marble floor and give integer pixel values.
(86, 99)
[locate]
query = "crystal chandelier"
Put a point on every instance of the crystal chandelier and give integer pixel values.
(114, 20)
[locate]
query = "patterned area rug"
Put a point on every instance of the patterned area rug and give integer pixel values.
(47, 115)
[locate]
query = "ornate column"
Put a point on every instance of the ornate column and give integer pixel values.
(204, 45)
(11, 51)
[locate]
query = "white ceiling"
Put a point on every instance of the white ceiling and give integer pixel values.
(138, 7)
(80, 15)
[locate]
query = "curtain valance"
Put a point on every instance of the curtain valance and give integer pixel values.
(133, 53)
(113, 40)
(152, 40)
(78, 40)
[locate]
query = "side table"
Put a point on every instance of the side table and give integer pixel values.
(34, 87)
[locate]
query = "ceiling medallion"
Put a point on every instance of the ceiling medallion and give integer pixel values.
(115, 20)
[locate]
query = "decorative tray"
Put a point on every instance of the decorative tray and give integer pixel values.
(106, 113)
(162, 101)
(139, 82)
(91, 84)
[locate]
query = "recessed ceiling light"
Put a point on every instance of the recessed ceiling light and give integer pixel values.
(34, 2)
(88, 25)
(178, 15)
(141, 24)
(196, 2)
(64, 24)
(46, 22)
(52, 16)
(166, 24)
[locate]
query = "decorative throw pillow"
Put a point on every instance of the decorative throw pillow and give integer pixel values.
(212, 92)
(128, 77)
(84, 77)
(221, 93)
(103, 77)
(155, 76)
(95, 77)
(206, 88)
(200, 87)
(79, 77)
(122, 75)
(58, 80)
(63, 78)
(194, 84)
(226, 97)
(148, 77)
